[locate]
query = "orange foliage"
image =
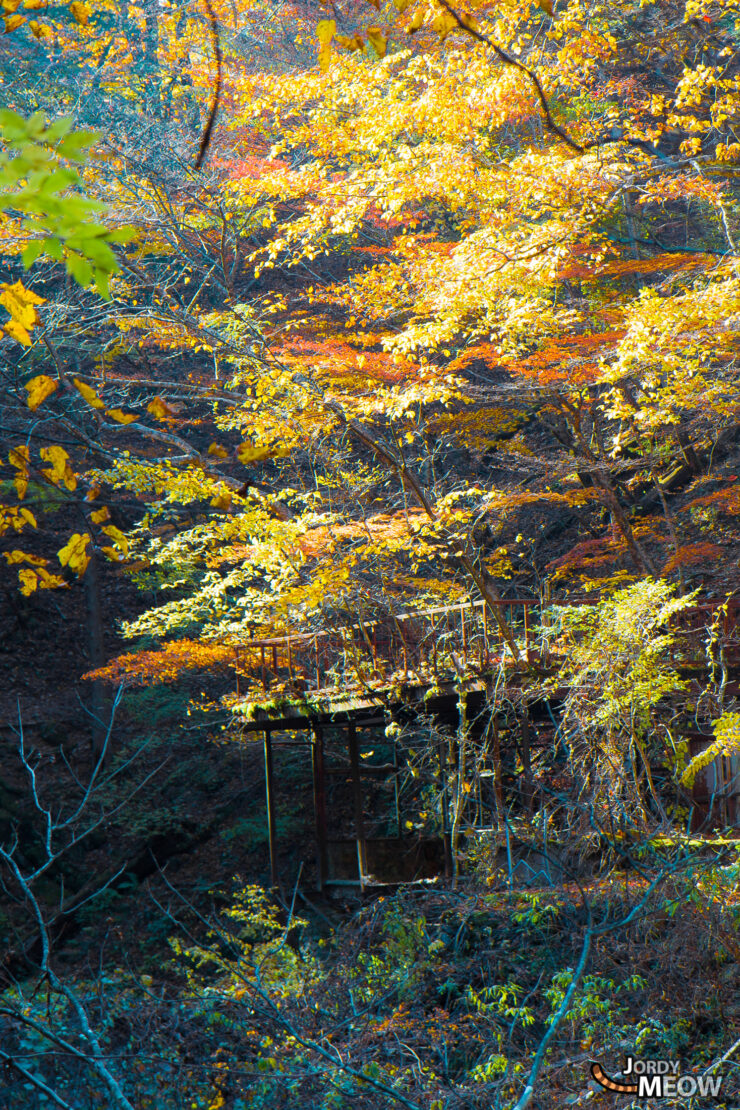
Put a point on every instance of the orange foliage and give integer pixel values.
(625, 267)
(725, 500)
(601, 551)
(693, 555)
(149, 668)
(383, 528)
(573, 360)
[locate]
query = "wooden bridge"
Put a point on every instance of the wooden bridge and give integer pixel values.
(430, 646)
(333, 693)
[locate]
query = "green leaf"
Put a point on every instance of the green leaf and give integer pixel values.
(101, 284)
(32, 252)
(80, 269)
(53, 247)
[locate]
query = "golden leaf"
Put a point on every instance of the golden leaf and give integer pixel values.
(11, 6)
(74, 554)
(12, 22)
(402, 5)
(18, 332)
(160, 409)
(81, 12)
(100, 515)
(247, 453)
(325, 31)
(219, 451)
(60, 472)
(19, 457)
(468, 21)
(118, 537)
(49, 581)
(222, 500)
(353, 44)
(19, 301)
(88, 393)
(120, 416)
(28, 580)
(33, 579)
(39, 388)
(377, 40)
(444, 23)
(23, 557)
(39, 30)
(546, 6)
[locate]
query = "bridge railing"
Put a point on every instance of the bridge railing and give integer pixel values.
(708, 634)
(422, 645)
(438, 643)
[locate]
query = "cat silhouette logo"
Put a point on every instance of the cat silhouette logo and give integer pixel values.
(656, 1079)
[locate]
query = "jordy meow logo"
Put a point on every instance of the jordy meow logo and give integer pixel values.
(657, 1079)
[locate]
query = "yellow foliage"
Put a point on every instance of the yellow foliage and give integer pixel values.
(222, 499)
(81, 12)
(325, 32)
(89, 394)
(13, 22)
(37, 578)
(20, 458)
(19, 301)
(727, 743)
(38, 30)
(120, 416)
(39, 388)
(23, 557)
(351, 43)
(119, 539)
(160, 410)
(74, 553)
(15, 518)
(33, 575)
(249, 453)
(165, 664)
(377, 40)
(61, 472)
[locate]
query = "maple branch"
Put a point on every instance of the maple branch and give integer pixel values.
(205, 141)
(512, 61)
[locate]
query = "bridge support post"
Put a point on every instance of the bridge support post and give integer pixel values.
(526, 751)
(446, 837)
(354, 761)
(270, 799)
(319, 801)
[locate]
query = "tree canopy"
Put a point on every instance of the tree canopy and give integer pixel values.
(323, 318)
